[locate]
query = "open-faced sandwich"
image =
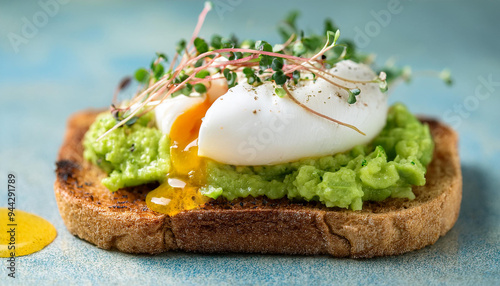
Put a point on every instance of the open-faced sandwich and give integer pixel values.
(249, 147)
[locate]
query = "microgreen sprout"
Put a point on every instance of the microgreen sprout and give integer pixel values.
(445, 75)
(281, 92)
(352, 95)
(142, 75)
(200, 88)
(320, 114)
(382, 81)
(300, 58)
(124, 83)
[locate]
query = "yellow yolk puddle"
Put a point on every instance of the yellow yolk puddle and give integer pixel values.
(28, 234)
(181, 190)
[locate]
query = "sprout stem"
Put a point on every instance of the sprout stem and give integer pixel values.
(320, 114)
(201, 19)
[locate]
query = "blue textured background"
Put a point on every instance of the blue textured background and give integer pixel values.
(75, 60)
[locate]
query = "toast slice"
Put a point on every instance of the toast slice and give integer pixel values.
(122, 221)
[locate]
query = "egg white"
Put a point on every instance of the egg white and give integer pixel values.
(253, 126)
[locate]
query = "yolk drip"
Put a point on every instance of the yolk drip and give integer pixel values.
(30, 233)
(187, 174)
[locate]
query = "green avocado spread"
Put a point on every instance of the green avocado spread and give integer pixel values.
(387, 167)
(131, 155)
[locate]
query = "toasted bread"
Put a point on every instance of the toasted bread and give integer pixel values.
(122, 221)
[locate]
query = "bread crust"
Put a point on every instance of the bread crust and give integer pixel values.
(122, 221)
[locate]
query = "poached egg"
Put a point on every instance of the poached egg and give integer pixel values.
(249, 125)
(253, 126)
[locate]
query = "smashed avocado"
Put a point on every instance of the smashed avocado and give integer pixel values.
(131, 155)
(387, 167)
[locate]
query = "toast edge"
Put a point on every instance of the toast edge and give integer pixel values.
(303, 231)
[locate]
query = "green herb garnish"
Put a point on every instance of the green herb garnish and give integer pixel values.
(301, 57)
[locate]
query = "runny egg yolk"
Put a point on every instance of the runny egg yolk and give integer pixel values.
(25, 233)
(187, 172)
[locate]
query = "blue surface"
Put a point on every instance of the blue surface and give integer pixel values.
(76, 59)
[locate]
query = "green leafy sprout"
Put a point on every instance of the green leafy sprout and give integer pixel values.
(299, 58)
